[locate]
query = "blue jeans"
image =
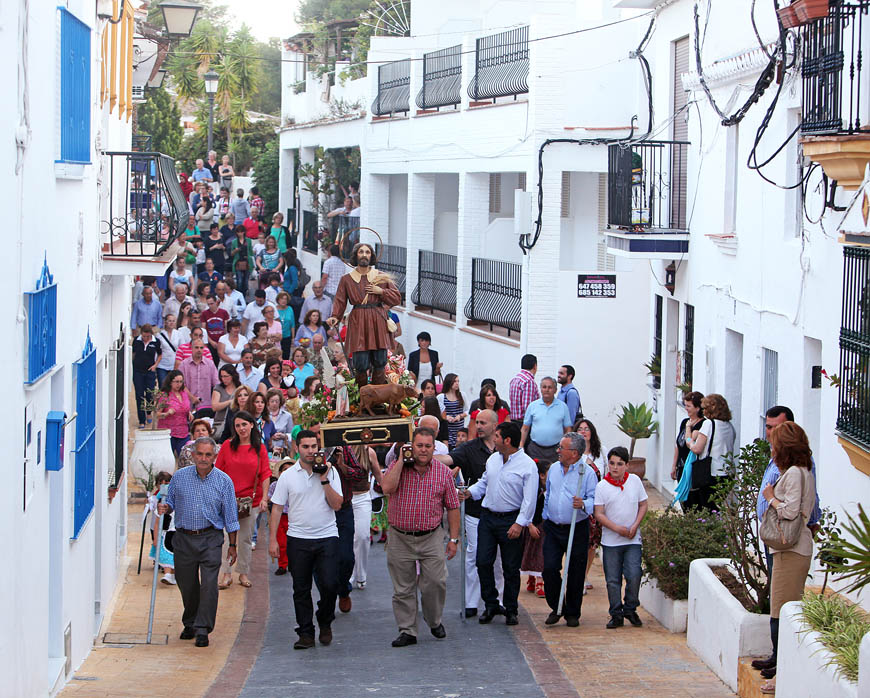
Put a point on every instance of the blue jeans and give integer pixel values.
(622, 561)
(143, 382)
(161, 375)
(242, 282)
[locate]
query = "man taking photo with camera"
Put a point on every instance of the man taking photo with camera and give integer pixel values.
(420, 489)
(311, 491)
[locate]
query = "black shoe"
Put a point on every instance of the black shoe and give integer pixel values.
(404, 640)
(511, 618)
(571, 621)
(553, 618)
(768, 673)
(325, 635)
(439, 631)
(615, 622)
(470, 612)
(187, 634)
(305, 642)
(634, 619)
(202, 640)
(764, 663)
(490, 613)
(280, 571)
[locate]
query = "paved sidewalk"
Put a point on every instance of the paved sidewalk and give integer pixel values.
(178, 668)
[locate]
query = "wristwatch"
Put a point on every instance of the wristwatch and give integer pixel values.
(231, 545)
(324, 482)
(455, 540)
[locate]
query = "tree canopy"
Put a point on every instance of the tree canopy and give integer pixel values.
(160, 118)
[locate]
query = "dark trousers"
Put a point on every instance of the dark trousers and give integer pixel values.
(286, 347)
(702, 496)
(143, 382)
(622, 562)
(346, 559)
(242, 282)
(492, 538)
(197, 562)
(363, 360)
(555, 546)
(309, 557)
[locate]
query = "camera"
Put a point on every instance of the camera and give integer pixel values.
(319, 465)
(407, 455)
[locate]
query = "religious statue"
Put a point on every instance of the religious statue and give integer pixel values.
(372, 294)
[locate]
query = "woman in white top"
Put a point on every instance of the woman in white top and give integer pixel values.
(232, 344)
(716, 439)
(169, 342)
(180, 273)
(595, 456)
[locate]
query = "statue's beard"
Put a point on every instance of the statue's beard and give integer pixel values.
(363, 262)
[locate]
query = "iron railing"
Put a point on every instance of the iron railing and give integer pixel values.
(833, 49)
(646, 186)
(309, 231)
(496, 294)
(116, 472)
(853, 410)
(394, 260)
(41, 305)
(436, 282)
(442, 79)
(501, 65)
(394, 88)
(147, 210)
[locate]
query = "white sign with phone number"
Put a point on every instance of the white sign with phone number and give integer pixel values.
(596, 285)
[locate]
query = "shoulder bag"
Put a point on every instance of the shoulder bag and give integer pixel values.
(782, 534)
(245, 504)
(701, 468)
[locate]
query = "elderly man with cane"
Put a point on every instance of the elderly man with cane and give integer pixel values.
(204, 502)
(568, 501)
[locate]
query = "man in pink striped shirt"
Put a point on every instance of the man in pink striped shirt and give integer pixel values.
(419, 494)
(523, 388)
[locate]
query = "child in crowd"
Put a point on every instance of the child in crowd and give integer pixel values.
(533, 538)
(274, 288)
(462, 435)
(260, 245)
(166, 558)
(282, 524)
(620, 505)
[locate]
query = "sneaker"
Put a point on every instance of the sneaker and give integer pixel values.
(634, 619)
(253, 545)
(615, 622)
(360, 585)
(168, 579)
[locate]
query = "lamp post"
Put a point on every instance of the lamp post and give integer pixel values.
(211, 85)
(179, 17)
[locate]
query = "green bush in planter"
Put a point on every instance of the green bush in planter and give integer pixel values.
(671, 540)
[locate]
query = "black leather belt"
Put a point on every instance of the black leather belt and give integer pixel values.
(415, 534)
(197, 532)
(502, 514)
(542, 446)
(369, 305)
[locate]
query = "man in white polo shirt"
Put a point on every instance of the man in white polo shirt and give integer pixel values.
(311, 499)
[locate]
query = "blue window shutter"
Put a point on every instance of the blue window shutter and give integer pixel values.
(41, 325)
(85, 444)
(75, 88)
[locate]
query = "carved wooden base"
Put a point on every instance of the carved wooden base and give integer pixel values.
(366, 430)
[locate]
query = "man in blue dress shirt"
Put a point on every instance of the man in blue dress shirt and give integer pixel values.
(509, 488)
(146, 311)
(565, 479)
(204, 502)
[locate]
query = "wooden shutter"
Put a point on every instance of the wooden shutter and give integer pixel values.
(679, 155)
(495, 192)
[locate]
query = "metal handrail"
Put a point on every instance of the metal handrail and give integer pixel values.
(393, 259)
(496, 294)
(853, 405)
(501, 65)
(394, 88)
(436, 282)
(442, 78)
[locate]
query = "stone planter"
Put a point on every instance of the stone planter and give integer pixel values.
(719, 629)
(638, 467)
(671, 613)
(152, 448)
(809, 10)
(807, 660)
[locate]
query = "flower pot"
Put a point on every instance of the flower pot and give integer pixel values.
(638, 467)
(719, 630)
(808, 10)
(152, 448)
(671, 613)
(788, 16)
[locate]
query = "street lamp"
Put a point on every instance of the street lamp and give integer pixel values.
(211, 86)
(179, 16)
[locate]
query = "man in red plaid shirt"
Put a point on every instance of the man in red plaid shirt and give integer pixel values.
(523, 389)
(257, 200)
(419, 493)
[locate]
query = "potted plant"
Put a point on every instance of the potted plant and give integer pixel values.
(636, 422)
(788, 17)
(808, 10)
(654, 368)
(152, 450)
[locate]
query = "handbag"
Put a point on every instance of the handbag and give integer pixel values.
(701, 469)
(782, 534)
(245, 504)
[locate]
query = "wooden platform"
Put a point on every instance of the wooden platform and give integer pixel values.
(345, 431)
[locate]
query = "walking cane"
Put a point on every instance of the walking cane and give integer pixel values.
(142, 542)
(158, 547)
(462, 488)
(564, 588)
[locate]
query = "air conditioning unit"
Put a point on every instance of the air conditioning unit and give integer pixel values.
(138, 93)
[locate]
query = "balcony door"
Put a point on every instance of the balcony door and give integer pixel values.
(679, 169)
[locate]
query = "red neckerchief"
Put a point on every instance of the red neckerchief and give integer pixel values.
(617, 483)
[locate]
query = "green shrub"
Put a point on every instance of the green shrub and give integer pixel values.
(841, 626)
(671, 540)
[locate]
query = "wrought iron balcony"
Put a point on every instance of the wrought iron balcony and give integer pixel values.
(436, 282)
(442, 79)
(646, 199)
(496, 294)
(501, 65)
(394, 88)
(146, 210)
(393, 260)
(853, 409)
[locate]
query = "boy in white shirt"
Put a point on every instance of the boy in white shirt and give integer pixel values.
(620, 505)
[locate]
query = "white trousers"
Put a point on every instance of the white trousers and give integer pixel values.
(472, 581)
(362, 524)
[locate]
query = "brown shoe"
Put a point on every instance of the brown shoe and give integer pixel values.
(325, 635)
(305, 642)
(344, 604)
(362, 378)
